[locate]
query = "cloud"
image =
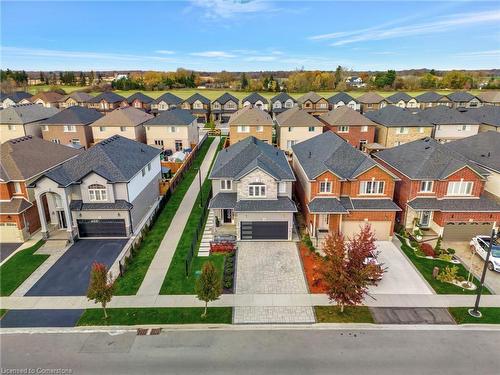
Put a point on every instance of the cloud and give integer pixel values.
(165, 52)
(230, 8)
(260, 58)
(488, 53)
(213, 54)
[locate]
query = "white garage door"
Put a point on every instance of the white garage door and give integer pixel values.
(9, 233)
(382, 229)
(465, 231)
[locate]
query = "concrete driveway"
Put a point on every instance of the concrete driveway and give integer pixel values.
(8, 248)
(70, 275)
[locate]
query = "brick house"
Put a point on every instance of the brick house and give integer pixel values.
(342, 98)
(294, 126)
(250, 121)
(223, 107)
(165, 102)
(371, 101)
(432, 99)
(313, 103)
(79, 98)
(403, 100)
(199, 106)
(107, 102)
(140, 101)
(280, 103)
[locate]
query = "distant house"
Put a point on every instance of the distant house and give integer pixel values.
(294, 126)
(224, 106)
(371, 101)
(432, 99)
(313, 103)
(280, 103)
(124, 121)
(488, 116)
(403, 100)
(107, 102)
(343, 99)
(450, 123)
(71, 127)
(256, 100)
(23, 119)
(47, 99)
(81, 99)
(349, 124)
(250, 121)
(18, 97)
(199, 106)
(490, 97)
(165, 102)
(140, 101)
(464, 99)
(175, 130)
(355, 81)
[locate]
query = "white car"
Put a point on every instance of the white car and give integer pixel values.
(480, 244)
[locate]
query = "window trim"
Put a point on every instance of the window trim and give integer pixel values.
(257, 190)
(377, 187)
(327, 187)
(226, 185)
(462, 185)
(425, 183)
(98, 188)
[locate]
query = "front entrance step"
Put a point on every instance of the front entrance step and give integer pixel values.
(273, 315)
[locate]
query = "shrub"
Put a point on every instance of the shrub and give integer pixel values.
(448, 275)
(445, 257)
(427, 250)
(450, 251)
(438, 250)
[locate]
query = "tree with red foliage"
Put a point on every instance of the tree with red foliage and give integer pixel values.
(345, 271)
(101, 286)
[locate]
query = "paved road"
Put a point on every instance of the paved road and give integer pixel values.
(40, 318)
(7, 248)
(359, 352)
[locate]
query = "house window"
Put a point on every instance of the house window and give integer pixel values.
(290, 143)
(290, 129)
(364, 129)
(159, 142)
(137, 104)
(308, 105)
(426, 186)
(216, 105)
(225, 185)
(102, 128)
(172, 129)
(149, 167)
(257, 189)
(162, 106)
(12, 127)
(402, 130)
(463, 128)
(45, 128)
(289, 104)
(322, 105)
(460, 187)
(123, 128)
(277, 104)
(75, 141)
(198, 105)
(362, 144)
(97, 192)
(282, 187)
(178, 145)
(311, 128)
(230, 105)
(371, 187)
(58, 141)
(143, 171)
(17, 188)
(260, 129)
(243, 129)
(69, 129)
(325, 187)
(369, 105)
(421, 130)
(343, 129)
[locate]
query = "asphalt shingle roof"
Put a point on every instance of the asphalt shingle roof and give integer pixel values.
(282, 204)
(282, 97)
(196, 97)
(489, 96)
(311, 96)
(16, 96)
(395, 98)
(223, 200)
(74, 115)
(173, 117)
(460, 96)
(47, 96)
(79, 96)
(139, 96)
(443, 115)
(250, 116)
(168, 98)
(224, 98)
(14, 206)
(487, 114)
(346, 116)
(123, 116)
(297, 117)
(254, 97)
(484, 203)
(326, 205)
(25, 114)
(392, 116)
(108, 96)
(118, 204)
(428, 97)
(370, 98)
(341, 97)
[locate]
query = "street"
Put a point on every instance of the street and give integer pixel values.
(248, 351)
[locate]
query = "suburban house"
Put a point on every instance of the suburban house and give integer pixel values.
(75, 98)
(351, 125)
(340, 189)
(199, 106)
(403, 100)
(47, 99)
(107, 102)
(223, 107)
(441, 192)
(281, 102)
(484, 150)
(355, 81)
(489, 97)
(23, 119)
(71, 127)
(313, 103)
(450, 123)
(106, 191)
(22, 161)
(165, 102)
(256, 100)
(488, 116)
(464, 99)
(140, 101)
(18, 97)
(294, 126)
(343, 99)
(371, 101)
(396, 126)
(252, 191)
(175, 130)
(432, 99)
(124, 121)
(250, 121)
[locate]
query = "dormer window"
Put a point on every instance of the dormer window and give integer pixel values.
(225, 185)
(460, 187)
(426, 186)
(325, 187)
(371, 187)
(277, 104)
(97, 193)
(289, 104)
(256, 189)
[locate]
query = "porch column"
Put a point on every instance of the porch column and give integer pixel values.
(67, 214)
(41, 214)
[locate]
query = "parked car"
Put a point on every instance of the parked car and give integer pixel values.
(372, 259)
(480, 245)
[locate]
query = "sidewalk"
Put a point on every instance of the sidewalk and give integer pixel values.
(153, 280)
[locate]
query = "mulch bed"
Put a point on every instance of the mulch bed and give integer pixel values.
(310, 262)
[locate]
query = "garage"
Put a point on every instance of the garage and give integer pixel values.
(10, 233)
(102, 228)
(464, 231)
(264, 230)
(382, 229)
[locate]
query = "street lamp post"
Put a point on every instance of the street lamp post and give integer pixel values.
(201, 191)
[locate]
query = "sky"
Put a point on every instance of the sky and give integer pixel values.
(249, 35)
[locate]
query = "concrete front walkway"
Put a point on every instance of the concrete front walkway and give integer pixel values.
(153, 280)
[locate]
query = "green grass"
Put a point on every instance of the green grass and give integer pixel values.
(18, 268)
(67, 89)
(425, 267)
(160, 315)
(131, 281)
(351, 314)
(3, 312)
(491, 315)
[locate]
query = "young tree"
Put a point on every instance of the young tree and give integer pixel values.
(345, 271)
(209, 285)
(244, 81)
(338, 76)
(100, 286)
(82, 80)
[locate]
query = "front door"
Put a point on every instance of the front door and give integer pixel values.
(425, 219)
(323, 222)
(61, 219)
(227, 216)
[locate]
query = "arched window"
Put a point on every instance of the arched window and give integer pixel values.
(97, 192)
(256, 189)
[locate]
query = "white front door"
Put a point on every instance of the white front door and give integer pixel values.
(425, 219)
(323, 221)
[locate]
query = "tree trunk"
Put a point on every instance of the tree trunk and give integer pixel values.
(105, 312)
(342, 308)
(205, 312)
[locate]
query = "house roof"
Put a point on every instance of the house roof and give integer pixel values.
(250, 116)
(395, 98)
(254, 97)
(489, 96)
(310, 96)
(47, 96)
(329, 152)
(282, 97)
(443, 115)
(428, 97)
(25, 113)
(123, 116)
(297, 117)
(346, 116)
(14, 206)
(485, 203)
(326, 205)
(175, 116)
(26, 157)
(117, 159)
(196, 97)
(168, 98)
(139, 96)
(79, 96)
(224, 98)
(108, 96)
(370, 98)
(242, 157)
(426, 159)
(281, 204)
(460, 96)
(223, 200)
(345, 205)
(74, 115)
(392, 116)
(482, 148)
(341, 97)
(487, 114)
(16, 96)
(118, 204)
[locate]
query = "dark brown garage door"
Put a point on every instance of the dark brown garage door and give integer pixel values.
(264, 230)
(102, 228)
(465, 231)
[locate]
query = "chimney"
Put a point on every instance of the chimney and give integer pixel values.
(310, 154)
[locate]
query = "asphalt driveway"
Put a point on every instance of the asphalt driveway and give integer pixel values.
(70, 275)
(7, 248)
(40, 318)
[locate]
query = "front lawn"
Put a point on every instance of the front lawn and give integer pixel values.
(130, 282)
(491, 315)
(19, 267)
(351, 314)
(160, 315)
(3, 312)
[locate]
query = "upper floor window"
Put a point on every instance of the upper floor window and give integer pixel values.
(163, 106)
(260, 128)
(402, 130)
(97, 192)
(230, 105)
(55, 140)
(198, 105)
(216, 105)
(290, 129)
(322, 105)
(243, 129)
(343, 129)
(45, 128)
(69, 128)
(325, 187)
(426, 186)
(282, 187)
(364, 128)
(12, 127)
(311, 128)
(137, 104)
(371, 187)
(102, 128)
(17, 188)
(158, 142)
(123, 128)
(172, 129)
(257, 189)
(463, 128)
(460, 187)
(277, 104)
(225, 185)
(288, 103)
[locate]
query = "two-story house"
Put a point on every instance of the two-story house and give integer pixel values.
(48, 99)
(441, 192)
(199, 106)
(371, 101)
(464, 99)
(355, 81)
(23, 119)
(351, 125)
(106, 191)
(256, 100)
(489, 98)
(340, 189)
(250, 121)
(22, 161)
(432, 99)
(107, 102)
(294, 126)
(396, 126)
(140, 101)
(313, 103)
(403, 100)
(488, 117)
(449, 123)
(175, 130)
(71, 127)
(14, 98)
(252, 191)
(223, 107)
(343, 99)
(124, 121)
(76, 98)
(165, 102)
(280, 103)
